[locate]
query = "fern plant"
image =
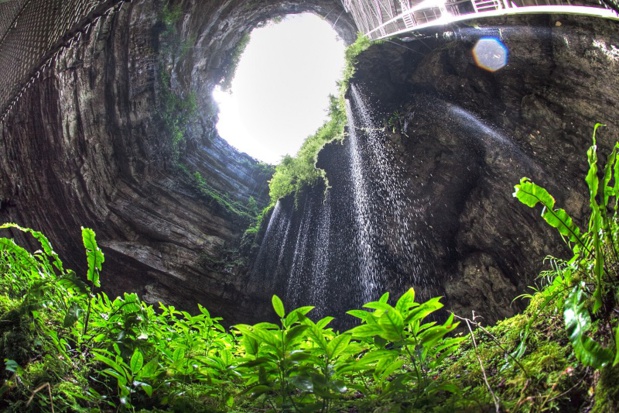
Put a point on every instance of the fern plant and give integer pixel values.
(590, 276)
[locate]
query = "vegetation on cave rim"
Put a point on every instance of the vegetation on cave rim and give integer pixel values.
(66, 346)
(295, 173)
(175, 110)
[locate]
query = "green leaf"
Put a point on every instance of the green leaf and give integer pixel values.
(577, 324)
(592, 179)
(423, 310)
(258, 361)
(385, 363)
(150, 369)
(250, 344)
(178, 355)
(317, 336)
(298, 355)
(94, 256)
(278, 306)
(338, 386)
(361, 314)
(295, 333)
(406, 301)
(388, 369)
(148, 389)
(73, 314)
(323, 322)
(392, 323)
(366, 330)
(296, 315)
(303, 383)
(531, 194)
(137, 361)
(259, 389)
(337, 345)
(11, 365)
(377, 305)
(45, 244)
(115, 367)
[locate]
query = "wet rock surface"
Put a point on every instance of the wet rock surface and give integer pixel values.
(468, 135)
(461, 137)
(87, 145)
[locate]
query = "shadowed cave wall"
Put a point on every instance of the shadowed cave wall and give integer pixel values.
(454, 139)
(88, 145)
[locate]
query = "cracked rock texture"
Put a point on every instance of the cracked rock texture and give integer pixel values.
(461, 137)
(88, 146)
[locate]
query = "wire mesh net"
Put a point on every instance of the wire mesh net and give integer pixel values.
(30, 32)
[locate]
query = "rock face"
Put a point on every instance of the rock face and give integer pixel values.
(474, 134)
(454, 139)
(91, 144)
(118, 135)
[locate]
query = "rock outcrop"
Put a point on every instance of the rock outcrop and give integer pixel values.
(118, 135)
(457, 138)
(91, 144)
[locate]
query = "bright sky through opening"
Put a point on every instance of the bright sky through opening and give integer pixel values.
(279, 95)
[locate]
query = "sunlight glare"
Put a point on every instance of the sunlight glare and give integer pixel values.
(279, 95)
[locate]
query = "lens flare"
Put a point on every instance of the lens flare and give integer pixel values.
(490, 54)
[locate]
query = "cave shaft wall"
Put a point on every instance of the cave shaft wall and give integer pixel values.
(458, 138)
(86, 145)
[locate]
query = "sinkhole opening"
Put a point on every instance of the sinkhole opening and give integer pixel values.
(280, 91)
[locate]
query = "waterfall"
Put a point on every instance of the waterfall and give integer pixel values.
(338, 250)
(392, 213)
(295, 285)
(320, 260)
(366, 226)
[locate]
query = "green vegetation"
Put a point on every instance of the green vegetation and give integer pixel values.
(295, 173)
(226, 82)
(67, 347)
(586, 284)
(246, 212)
(176, 111)
(298, 172)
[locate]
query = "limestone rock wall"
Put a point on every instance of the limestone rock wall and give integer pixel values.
(87, 146)
(458, 139)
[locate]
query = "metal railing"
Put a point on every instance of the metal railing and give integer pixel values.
(380, 19)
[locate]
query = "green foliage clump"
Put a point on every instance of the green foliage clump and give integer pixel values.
(235, 58)
(587, 282)
(92, 353)
(247, 212)
(176, 112)
(295, 173)
(175, 109)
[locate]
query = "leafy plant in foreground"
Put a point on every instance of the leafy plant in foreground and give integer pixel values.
(408, 352)
(277, 359)
(591, 274)
(70, 348)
